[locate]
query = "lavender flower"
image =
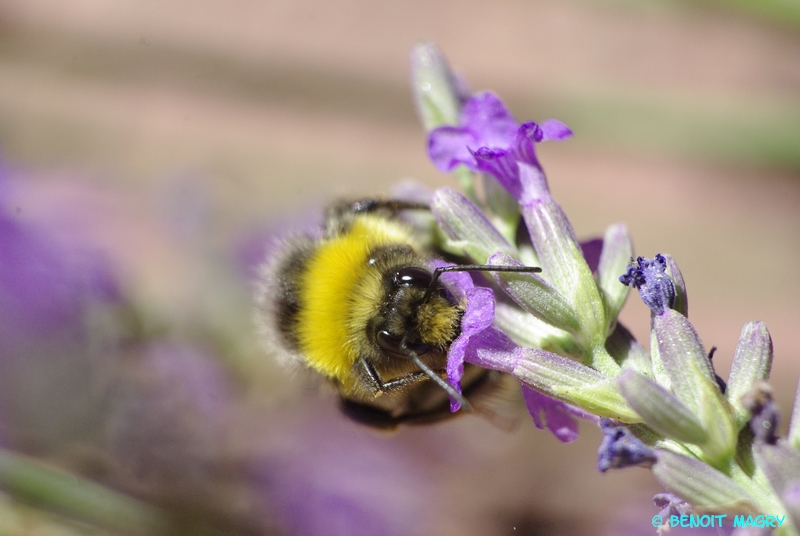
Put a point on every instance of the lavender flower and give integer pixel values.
(563, 342)
(489, 140)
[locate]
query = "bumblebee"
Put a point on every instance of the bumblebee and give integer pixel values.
(360, 304)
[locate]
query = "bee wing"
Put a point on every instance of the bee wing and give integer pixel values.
(495, 396)
(498, 399)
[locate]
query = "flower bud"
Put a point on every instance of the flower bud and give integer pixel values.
(435, 91)
(660, 409)
(700, 484)
(752, 361)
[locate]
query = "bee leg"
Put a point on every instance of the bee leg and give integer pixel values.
(378, 386)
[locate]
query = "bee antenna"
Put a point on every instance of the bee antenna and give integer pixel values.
(475, 268)
(466, 406)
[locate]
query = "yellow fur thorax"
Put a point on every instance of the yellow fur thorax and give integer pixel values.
(339, 289)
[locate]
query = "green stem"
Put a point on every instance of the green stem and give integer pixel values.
(50, 489)
(466, 180)
(604, 363)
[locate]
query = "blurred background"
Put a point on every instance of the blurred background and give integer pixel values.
(150, 148)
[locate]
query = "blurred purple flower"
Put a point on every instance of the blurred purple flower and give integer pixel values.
(489, 140)
(169, 423)
(43, 285)
(324, 476)
(51, 298)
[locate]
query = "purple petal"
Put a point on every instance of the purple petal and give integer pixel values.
(478, 316)
(492, 349)
(557, 415)
(480, 311)
(486, 125)
(555, 130)
(591, 250)
(536, 404)
(487, 116)
(458, 283)
(455, 371)
(528, 134)
(448, 147)
(502, 164)
(561, 424)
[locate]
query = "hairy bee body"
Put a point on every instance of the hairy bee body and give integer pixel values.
(352, 302)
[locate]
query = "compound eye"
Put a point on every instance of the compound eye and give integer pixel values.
(412, 277)
(393, 345)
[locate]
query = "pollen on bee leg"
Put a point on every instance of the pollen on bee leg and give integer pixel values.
(438, 322)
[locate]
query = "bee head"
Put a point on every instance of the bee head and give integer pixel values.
(422, 315)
